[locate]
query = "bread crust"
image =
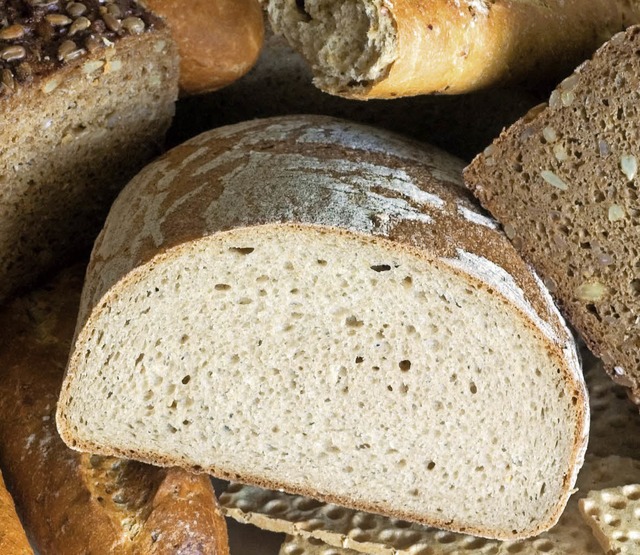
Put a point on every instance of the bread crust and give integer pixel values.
(218, 40)
(12, 537)
(145, 228)
(449, 47)
(76, 503)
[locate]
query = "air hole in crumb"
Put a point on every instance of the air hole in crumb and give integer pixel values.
(139, 359)
(186, 422)
(184, 339)
(473, 388)
(408, 281)
(353, 322)
(405, 365)
(359, 360)
(390, 388)
(322, 262)
(186, 380)
(431, 465)
(222, 287)
(242, 250)
(172, 429)
(380, 267)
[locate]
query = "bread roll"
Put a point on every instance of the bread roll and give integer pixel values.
(218, 40)
(74, 503)
(563, 181)
(350, 308)
(383, 49)
(87, 91)
(13, 540)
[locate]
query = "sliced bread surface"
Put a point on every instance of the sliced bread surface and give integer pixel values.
(564, 182)
(294, 290)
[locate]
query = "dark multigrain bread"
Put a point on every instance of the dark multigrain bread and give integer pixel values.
(84, 504)
(564, 183)
(86, 94)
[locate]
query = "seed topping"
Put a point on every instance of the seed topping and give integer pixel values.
(12, 53)
(12, 32)
(76, 9)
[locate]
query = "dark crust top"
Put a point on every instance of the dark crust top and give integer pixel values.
(37, 37)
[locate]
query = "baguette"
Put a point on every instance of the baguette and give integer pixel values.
(13, 540)
(74, 503)
(381, 49)
(218, 40)
(337, 288)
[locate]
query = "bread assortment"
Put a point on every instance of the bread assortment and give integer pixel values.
(383, 49)
(75, 503)
(87, 91)
(316, 309)
(218, 40)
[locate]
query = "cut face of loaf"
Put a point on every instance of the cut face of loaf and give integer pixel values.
(564, 181)
(85, 100)
(308, 304)
(382, 49)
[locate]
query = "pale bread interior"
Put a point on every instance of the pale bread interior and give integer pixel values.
(346, 42)
(334, 365)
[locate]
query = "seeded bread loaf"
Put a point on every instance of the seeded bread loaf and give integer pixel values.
(87, 92)
(563, 182)
(382, 49)
(13, 540)
(348, 303)
(74, 503)
(218, 40)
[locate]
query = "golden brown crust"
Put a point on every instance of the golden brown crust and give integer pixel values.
(74, 503)
(12, 537)
(456, 47)
(218, 40)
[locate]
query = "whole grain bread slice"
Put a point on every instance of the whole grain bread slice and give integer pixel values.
(293, 290)
(563, 181)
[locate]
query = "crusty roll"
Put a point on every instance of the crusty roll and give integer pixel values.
(80, 504)
(383, 49)
(218, 40)
(12, 537)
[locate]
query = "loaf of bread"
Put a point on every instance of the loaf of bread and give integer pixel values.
(87, 92)
(218, 40)
(564, 181)
(74, 503)
(13, 540)
(382, 49)
(308, 304)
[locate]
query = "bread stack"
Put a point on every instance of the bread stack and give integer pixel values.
(316, 310)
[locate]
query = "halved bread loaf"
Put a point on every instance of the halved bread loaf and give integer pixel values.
(308, 304)
(87, 91)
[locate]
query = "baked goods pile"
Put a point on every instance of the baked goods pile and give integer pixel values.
(315, 309)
